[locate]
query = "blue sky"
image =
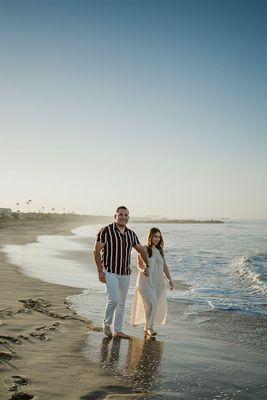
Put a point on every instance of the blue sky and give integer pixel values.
(159, 105)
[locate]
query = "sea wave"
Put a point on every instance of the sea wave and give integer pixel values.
(253, 270)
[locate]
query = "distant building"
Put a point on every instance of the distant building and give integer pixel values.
(153, 217)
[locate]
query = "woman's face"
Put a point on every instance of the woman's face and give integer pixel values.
(156, 238)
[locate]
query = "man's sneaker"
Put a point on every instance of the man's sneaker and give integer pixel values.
(107, 331)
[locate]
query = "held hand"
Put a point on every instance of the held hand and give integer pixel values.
(146, 271)
(171, 285)
(102, 277)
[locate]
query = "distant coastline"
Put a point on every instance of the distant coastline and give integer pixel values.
(13, 218)
(178, 221)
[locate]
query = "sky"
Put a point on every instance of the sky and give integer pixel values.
(157, 105)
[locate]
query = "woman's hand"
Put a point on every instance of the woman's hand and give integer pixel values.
(146, 271)
(171, 285)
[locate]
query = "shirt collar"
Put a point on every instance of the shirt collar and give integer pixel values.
(116, 228)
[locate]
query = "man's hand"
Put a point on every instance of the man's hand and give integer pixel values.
(146, 271)
(102, 276)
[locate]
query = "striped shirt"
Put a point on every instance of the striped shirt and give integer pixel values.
(116, 254)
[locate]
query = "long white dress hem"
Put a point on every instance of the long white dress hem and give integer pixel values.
(150, 303)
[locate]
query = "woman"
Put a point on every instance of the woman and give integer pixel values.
(150, 303)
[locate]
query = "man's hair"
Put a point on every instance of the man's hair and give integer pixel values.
(121, 208)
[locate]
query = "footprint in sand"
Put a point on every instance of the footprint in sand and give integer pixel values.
(40, 328)
(11, 339)
(4, 356)
(39, 335)
(18, 381)
(23, 337)
(21, 396)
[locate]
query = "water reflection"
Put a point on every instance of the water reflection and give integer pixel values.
(137, 360)
(144, 359)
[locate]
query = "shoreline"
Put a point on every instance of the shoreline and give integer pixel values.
(41, 338)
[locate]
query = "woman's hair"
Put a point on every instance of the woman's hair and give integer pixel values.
(149, 242)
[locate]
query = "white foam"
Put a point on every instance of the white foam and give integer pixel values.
(242, 266)
(87, 231)
(45, 260)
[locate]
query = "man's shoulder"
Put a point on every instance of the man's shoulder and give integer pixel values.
(105, 228)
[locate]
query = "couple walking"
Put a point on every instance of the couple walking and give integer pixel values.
(112, 254)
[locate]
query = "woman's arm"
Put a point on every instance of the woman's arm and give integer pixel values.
(167, 274)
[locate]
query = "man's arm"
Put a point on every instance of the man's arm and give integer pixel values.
(97, 256)
(143, 254)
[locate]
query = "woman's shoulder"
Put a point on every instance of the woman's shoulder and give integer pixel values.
(160, 251)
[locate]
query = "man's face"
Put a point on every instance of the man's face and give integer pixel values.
(121, 217)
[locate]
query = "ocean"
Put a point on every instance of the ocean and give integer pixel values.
(223, 266)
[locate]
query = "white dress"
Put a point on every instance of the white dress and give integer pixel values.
(150, 302)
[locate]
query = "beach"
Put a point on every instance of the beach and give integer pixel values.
(41, 339)
(49, 349)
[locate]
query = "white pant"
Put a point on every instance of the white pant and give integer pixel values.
(117, 289)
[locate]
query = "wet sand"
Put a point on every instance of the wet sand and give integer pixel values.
(205, 357)
(49, 352)
(40, 337)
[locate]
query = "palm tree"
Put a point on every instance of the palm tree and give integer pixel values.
(30, 202)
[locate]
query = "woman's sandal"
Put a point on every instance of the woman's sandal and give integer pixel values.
(150, 332)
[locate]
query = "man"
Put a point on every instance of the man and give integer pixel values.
(112, 255)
